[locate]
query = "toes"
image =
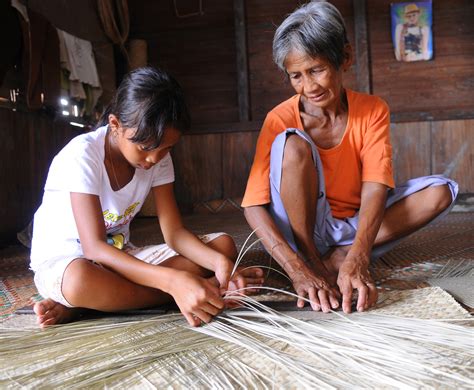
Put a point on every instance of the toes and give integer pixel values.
(42, 307)
(50, 312)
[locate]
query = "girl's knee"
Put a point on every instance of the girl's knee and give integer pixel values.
(225, 245)
(75, 279)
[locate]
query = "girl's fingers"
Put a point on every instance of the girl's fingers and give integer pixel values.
(210, 309)
(217, 302)
(203, 316)
(192, 320)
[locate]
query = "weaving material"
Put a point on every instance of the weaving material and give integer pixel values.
(162, 352)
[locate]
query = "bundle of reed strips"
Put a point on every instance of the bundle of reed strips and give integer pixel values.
(249, 347)
(253, 346)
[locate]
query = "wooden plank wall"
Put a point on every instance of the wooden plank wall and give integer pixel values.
(440, 89)
(432, 102)
(423, 97)
(29, 143)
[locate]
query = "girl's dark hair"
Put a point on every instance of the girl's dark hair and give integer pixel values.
(149, 100)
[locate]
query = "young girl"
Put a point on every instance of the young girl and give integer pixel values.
(95, 186)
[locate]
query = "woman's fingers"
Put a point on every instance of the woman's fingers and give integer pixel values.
(346, 291)
(333, 299)
(363, 296)
(323, 299)
(373, 294)
(300, 302)
(313, 299)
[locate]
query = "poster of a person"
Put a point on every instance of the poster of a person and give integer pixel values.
(411, 31)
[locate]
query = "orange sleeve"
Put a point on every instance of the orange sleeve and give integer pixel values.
(258, 184)
(376, 152)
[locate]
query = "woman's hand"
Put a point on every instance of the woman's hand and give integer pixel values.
(354, 274)
(321, 295)
(197, 298)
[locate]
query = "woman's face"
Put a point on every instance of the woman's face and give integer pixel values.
(315, 78)
(139, 156)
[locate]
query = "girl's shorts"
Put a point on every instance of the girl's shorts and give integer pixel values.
(49, 277)
(330, 231)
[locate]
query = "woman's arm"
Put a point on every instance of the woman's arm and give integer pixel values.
(304, 280)
(354, 272)
(183, 241)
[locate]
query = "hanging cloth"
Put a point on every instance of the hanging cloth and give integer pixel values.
(77, 58)
(115, 21)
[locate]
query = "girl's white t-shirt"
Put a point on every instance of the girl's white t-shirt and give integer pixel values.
(79, 167)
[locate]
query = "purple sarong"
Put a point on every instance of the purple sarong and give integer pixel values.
(330, 231)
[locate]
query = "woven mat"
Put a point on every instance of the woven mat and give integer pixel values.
(448, 241)
(147, 366)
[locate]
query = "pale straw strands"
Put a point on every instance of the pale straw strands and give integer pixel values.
(250, 347)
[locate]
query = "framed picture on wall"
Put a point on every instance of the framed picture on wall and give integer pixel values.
(411, 31)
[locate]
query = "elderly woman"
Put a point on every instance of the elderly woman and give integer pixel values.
(321, 192)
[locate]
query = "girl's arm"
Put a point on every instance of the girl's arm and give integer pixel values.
(354, 272)
(183, 241)
(91, 229)
(195, 296)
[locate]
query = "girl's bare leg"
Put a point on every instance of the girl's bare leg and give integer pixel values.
(88, 285)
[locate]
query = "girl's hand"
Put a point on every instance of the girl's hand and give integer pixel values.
(197, 298)
(243, 277)
(354, 274)
(222, 269)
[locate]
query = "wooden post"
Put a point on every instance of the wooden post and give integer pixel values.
(362, 49)
(242, 64)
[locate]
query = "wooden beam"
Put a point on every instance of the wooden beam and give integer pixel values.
(362, 50)
(234, 127)
(242, 64)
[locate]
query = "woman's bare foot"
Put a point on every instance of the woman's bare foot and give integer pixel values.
(333, 261)
(49, 312)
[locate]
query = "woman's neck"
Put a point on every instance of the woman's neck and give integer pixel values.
(330, 113)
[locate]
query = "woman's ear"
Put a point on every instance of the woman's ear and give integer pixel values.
(348, 57)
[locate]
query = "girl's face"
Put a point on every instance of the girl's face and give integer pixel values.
(315, 78)
(139, 156)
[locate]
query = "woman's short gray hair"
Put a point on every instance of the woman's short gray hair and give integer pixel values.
(316, 29)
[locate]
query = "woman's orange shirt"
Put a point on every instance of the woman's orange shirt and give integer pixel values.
(364, 153)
